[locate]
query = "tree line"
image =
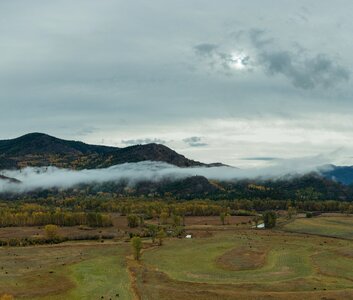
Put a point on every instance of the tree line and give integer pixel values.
(60, 218)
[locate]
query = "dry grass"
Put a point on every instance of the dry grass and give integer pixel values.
(242, 258)
(219, 262)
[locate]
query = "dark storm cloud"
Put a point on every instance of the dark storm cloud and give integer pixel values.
(194, 141)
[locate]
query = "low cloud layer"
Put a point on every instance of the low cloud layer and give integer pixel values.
(194, 141)
(50, 177)
(143, 141)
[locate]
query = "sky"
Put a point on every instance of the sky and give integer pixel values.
(238, 82)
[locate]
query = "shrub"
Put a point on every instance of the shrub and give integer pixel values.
(269, 218)
(136, 244)
(309, 214)
(51, 231)
(132, 221)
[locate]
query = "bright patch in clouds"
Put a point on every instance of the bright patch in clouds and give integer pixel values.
(239, 60)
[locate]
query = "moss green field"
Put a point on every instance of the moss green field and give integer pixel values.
(341, 227)
(224, 264)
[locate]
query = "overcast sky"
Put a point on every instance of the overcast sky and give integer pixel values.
(242, 82)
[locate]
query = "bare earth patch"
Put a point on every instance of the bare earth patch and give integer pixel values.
(242, 258)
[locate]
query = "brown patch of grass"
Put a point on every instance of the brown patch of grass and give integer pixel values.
(41, 270)
(198, 233)
(215, 220)
(117, 230)
(242, 258)
(347, 252)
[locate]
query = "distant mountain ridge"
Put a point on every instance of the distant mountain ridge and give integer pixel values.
(342, 174)
(39, 149)
(40, 143)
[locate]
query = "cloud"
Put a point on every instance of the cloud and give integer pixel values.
(87, 64)
(143, 141)
(50, 177)
(221, 59)
(194, 141)
(206, 49)
(264, 158)
(305, 71)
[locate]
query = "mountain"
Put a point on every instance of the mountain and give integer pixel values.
(342, 174)
(43, 144)
(38, 149)
(153, 152)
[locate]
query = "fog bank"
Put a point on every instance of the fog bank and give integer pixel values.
(52, 177)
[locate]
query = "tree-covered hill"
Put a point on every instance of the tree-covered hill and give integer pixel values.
(38, 149)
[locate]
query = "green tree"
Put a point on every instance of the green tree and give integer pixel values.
(141, 220)
(309, 214)
(163, 218)
(132, 221)
(51, 231)
(152, 231)
(161, 235)
(222, 216)
(176, 220)
(291, 212)
(227, 218)
(136, 244)
(269, 218)
(256, 220)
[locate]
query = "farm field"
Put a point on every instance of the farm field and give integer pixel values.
(234, 263)
(335, 226)
(65, 271)
(263, 262)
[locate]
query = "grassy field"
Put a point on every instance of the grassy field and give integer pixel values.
(249, 264)
(286, 258)
(66, 271)
(329, 226)
(234, 263)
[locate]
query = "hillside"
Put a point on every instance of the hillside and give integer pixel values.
(38, 149)
(39, 143)
(342, 174)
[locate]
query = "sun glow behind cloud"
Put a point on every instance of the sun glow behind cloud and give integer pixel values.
(239, 60)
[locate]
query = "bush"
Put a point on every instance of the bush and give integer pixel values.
(309, 214)
(31, 241)
(136, 244)
(133, 221)
(51, 231)
(269, 218)
(243, 212)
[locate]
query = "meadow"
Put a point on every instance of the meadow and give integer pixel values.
(73, 270)
(219, 262)
(335, 226)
